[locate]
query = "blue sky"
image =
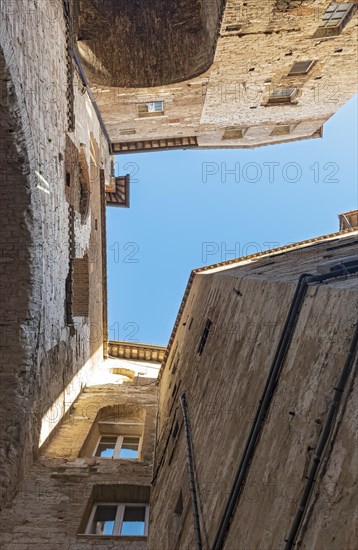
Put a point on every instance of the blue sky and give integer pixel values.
(187, 211)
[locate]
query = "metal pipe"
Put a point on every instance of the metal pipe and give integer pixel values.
(191, 474)
(264, 404)
(155, 446)
(323, 439)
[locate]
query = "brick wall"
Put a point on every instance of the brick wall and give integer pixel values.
(42, 354)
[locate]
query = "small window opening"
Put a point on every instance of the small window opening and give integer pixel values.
(282, 95)
(154, 108)
(204, 336)
(175, 430)
(301, 67)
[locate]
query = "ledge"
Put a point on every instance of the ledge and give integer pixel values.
(112, 537)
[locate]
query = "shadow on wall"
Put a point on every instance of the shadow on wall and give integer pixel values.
(20, 306)
(142, 44)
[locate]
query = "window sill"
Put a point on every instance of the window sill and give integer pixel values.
(112, 537)
(153, 118)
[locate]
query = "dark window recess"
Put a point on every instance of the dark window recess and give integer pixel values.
(68, 179)
(191, 322)
(232, 28)
(204, 336)
(175, 430)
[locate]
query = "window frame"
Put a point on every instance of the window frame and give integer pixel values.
(324, 29)
(118, 446)
(282, 99)
(154, 113)
(310, 64)
(118, 522)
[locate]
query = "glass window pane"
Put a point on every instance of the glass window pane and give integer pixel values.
(106, 447)
(339, 15)
(130, 447)
(103, 521)
(133, 521)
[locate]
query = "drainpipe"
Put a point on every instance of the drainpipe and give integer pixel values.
(270, 386)
(323, 440)
(191, 475)
(155, 446)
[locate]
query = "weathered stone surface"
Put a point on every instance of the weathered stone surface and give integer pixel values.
(257, 46)
(248, 305)
(50, 508)
(41, 353)
(141, 44)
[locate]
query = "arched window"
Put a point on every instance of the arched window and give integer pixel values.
(117, 433)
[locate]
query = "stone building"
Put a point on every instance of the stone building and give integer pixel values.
(258, 392)
(81, 81)
(257, 385)
(270, 73)
(101, 451)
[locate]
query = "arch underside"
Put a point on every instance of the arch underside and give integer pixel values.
(142, 44)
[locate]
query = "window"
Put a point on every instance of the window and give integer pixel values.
(154, 108)
(335, 19)
(301, 67)
(204, 336)
(122, 446)
(233, 132)
(125, 520)
(282, 95)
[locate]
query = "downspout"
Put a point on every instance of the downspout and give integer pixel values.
(324, 438)
(191, 474)
(155, 447)
(267, 395)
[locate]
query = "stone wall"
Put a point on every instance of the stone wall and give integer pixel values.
(42, 352)
(248, 305)
(257, 46)
(52, 506)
